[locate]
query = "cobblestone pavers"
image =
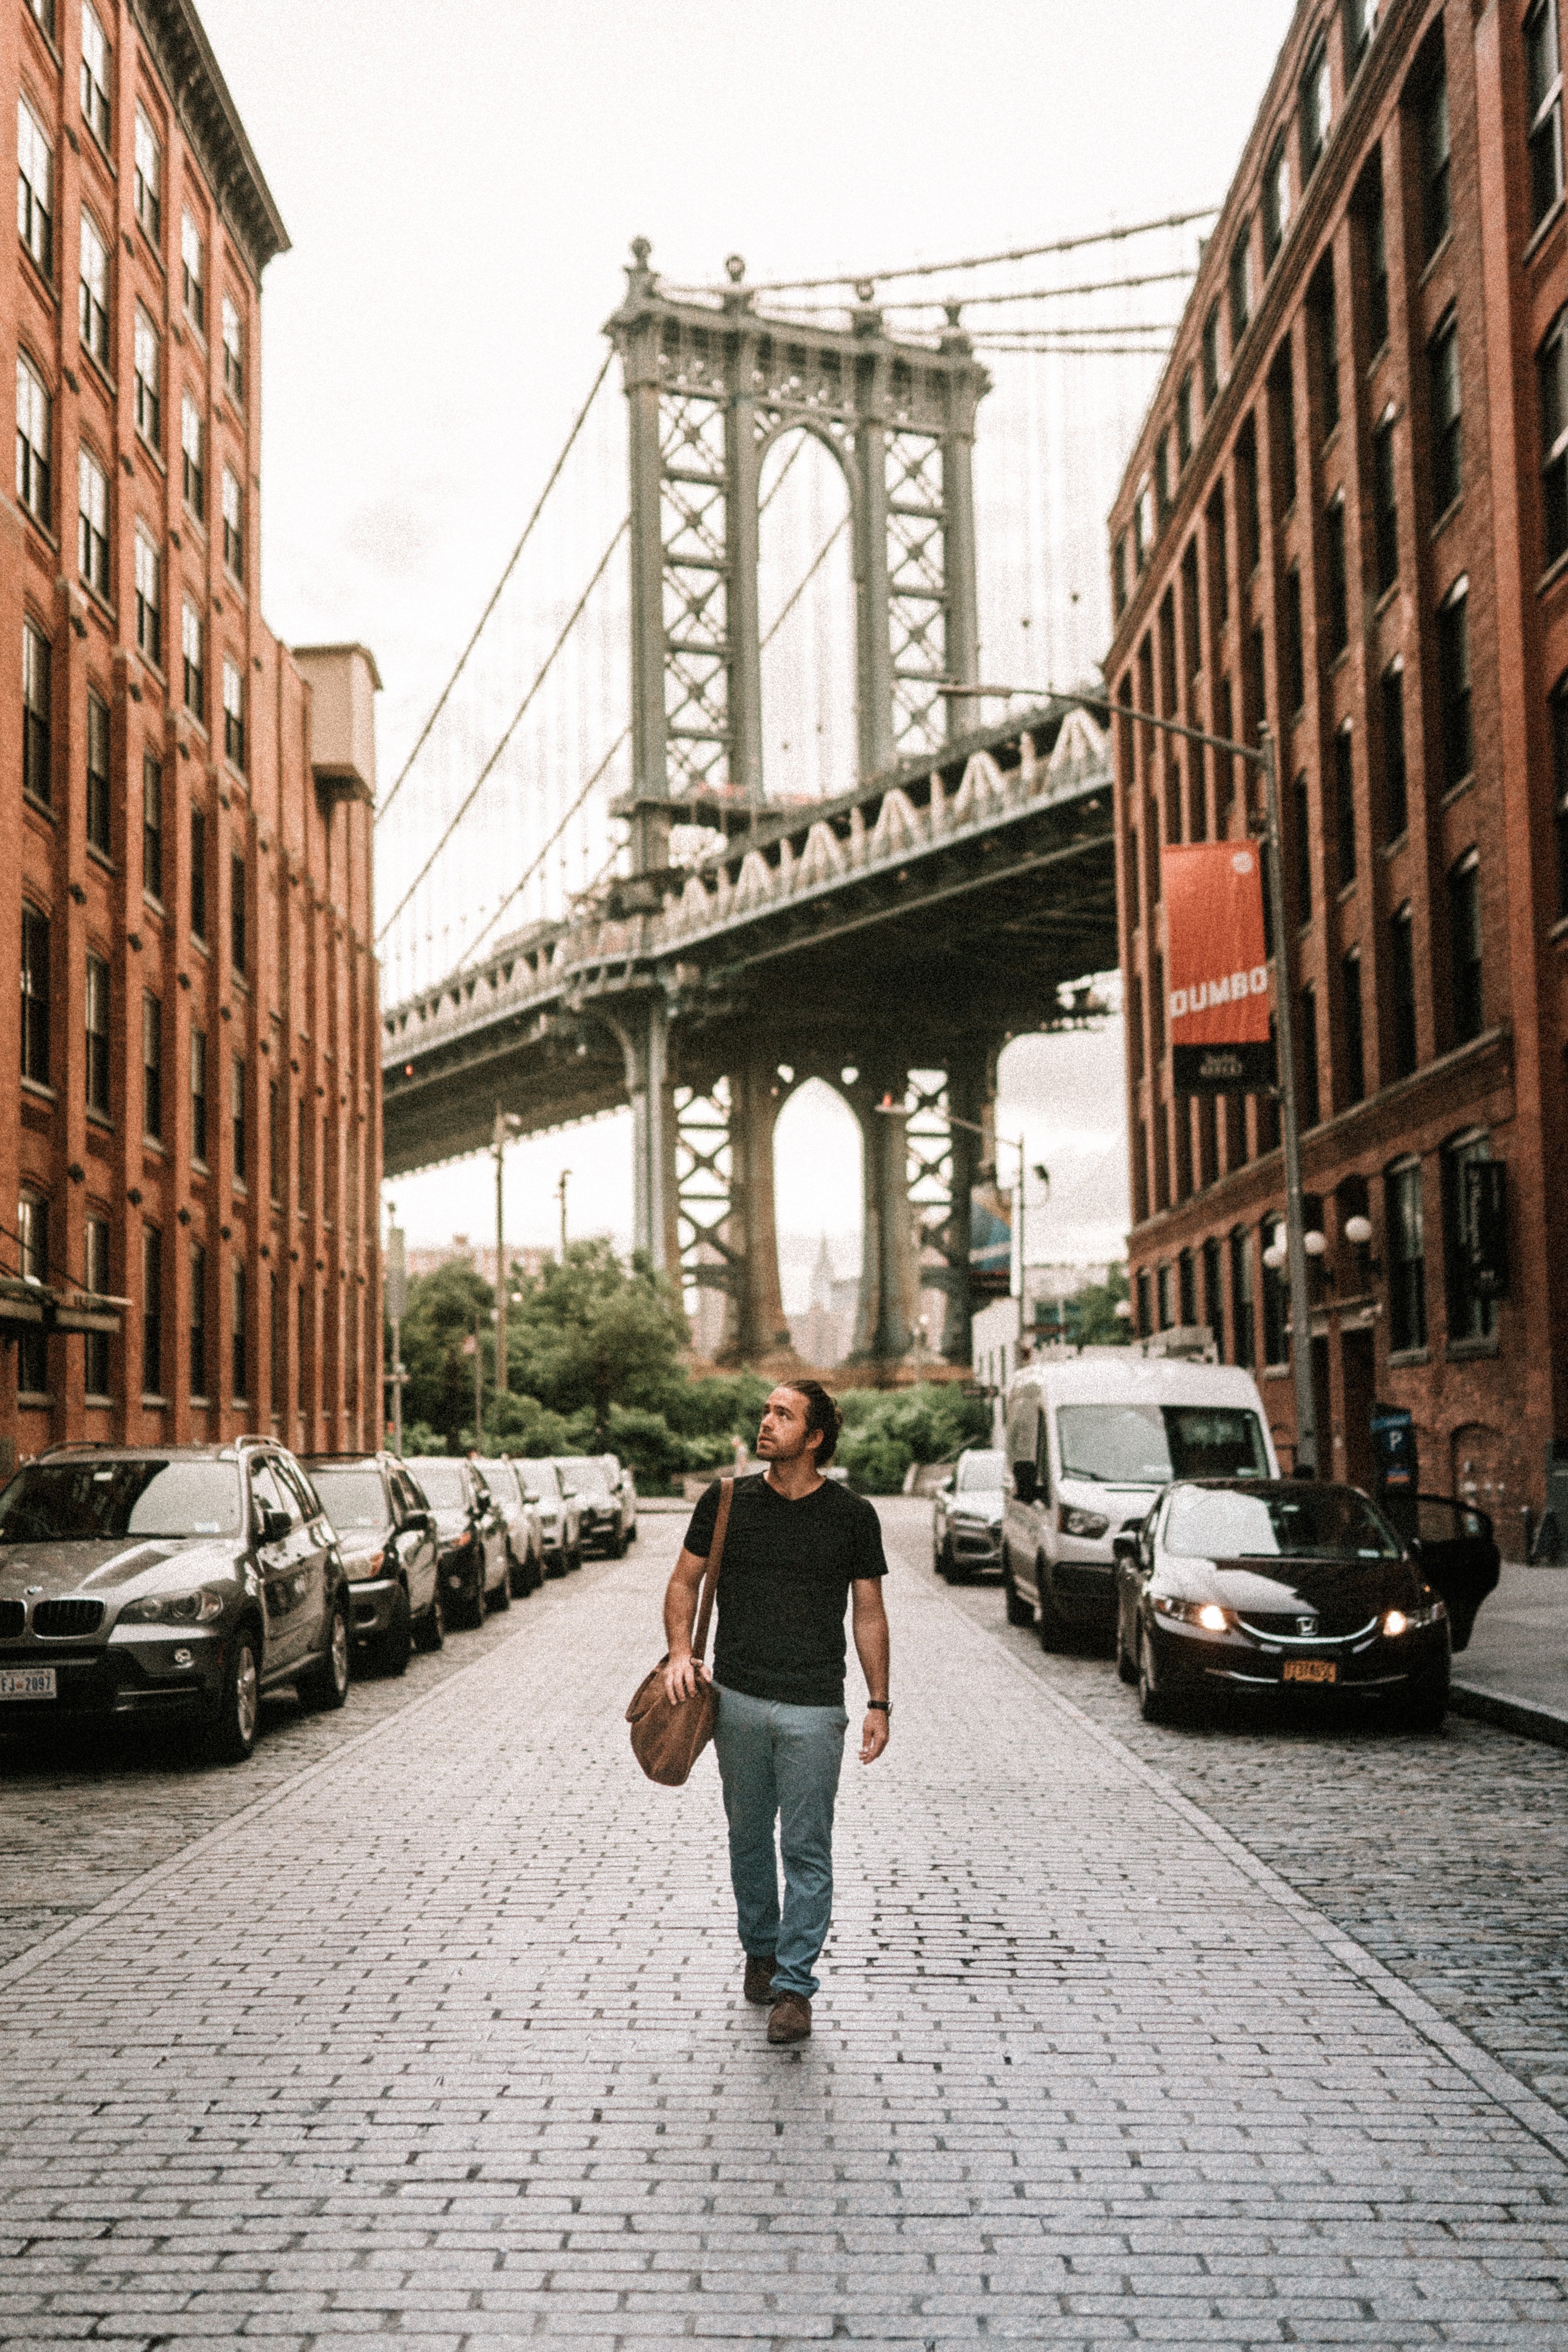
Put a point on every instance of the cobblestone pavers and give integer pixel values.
(443, 2045)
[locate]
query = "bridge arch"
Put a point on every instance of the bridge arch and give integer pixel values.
(805, 605)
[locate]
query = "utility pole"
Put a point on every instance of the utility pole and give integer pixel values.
(396, 1276)
(561, 1195)
(507, 1123)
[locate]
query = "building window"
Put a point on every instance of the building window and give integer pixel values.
(1344, 806)
(34, 188)
(152, 1066)
(303, 1158)
(198, 874)
(1470, 1316)
(1303, 852)
(151, 1310)
(1395, 788)
(1465, 946)
(1402, 980)
(1240, 286)
(1559, 713)
(1276, 201)
(193, 273)
(97, 1034)
(1118, 572)
(33, 442)
(1162, 1297)
(1384, 506)
(1210, 357)
(32, 1342)
(148, 190)
(1437, 199)
(1311, 1102)
(1361, 23)
(97, 772)
(1448, 425)
(1295, 679)
(190, 650)
(1282, 427)
(93, 296)
(236, 1114)
(1551, 371)
(35, 995)
(1161, 478)
(198, 1330)
(192, 466)
(151, 826)
(149, 600)
(233, 712)
(1336, 585)
(96, 1254)
(1275, 1339)
(37, 780)
(92, 522)
(1543, 75)
(1317, 107)
(1185, 418)
(199, 1095)
(234, 527)
(1406, 1246)
(149, 378)
(1355, 1041)
(1142, 523)
(1187, 1289)
(1376, 229)
(237, 1335)
(97, 80)
(237, 913)
(233, 351)
(1454, 684)
(1244, 1339)
(1214, 1292)
(274, 1142)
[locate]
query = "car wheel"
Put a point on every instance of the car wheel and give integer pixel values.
(1424, 1707)
(1126, 1666)
(500, 1596)
(556, 1562)
(574, 1557)
(946, 1565)
(466, 1606)
(618, 1544)
(519, 1580)
(1019, 1612)
(389, 1652)
(235, 1719)
(1152, 1704)
(325, 1685)
(430, 1625)
(1053, 1625)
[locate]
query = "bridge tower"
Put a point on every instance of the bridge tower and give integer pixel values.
(709, 388)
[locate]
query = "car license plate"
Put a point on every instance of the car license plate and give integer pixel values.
(27, 1681)
(1311, 1670)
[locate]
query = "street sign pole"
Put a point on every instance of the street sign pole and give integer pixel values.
(1289, 1126)
(396, 1307)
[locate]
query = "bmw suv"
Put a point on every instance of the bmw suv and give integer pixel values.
(160, 1580)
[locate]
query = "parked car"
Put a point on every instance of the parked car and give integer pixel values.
(560, 1518)
(525, 1542)
(626, 1486)
(470, 1533)
(1091, 1442)
(1280, 1586)
(387, 1538)
(966, 1516)
(600, 1504)
(163, 1580)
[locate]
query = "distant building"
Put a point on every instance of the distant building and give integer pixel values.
(824, 1334)
(461, 1251)
(1347, 516)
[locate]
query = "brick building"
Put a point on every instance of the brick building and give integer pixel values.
(1347, 516)
(192, 1150)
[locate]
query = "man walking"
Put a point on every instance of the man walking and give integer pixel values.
(798, 1545)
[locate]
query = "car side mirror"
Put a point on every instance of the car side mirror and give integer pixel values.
(945, 1487)
(1125, 1547)
(1025, 1484)
(275, 1526)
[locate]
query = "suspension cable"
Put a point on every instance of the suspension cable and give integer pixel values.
(472, 795)
(974, 261)
(1028, 294)
(506, 575)
(822, 552)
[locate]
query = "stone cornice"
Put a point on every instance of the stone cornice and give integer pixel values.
(176, 41)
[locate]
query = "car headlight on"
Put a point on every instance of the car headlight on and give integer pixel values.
(364, 1569)
(174, 1608)
(466, 1537)
(1408, 1621)
(1090, 1524)
(1208, 1614)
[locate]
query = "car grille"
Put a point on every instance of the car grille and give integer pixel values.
(13, 1618)
(1309, 1625)
(65, 1618)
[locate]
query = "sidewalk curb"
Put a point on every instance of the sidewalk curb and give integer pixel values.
(1530, 1721)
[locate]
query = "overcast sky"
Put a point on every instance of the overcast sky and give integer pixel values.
(460, 188)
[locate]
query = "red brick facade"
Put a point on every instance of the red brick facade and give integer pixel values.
(188, 879)
(1368, 451)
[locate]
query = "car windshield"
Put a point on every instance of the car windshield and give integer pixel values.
(1149, 1444)
(583, 1470)
(104, 1502)
(353, 1498)
(1301, 1522)
(980, 1474)
(540, 1482)
(499, 1479)
(444, 1483)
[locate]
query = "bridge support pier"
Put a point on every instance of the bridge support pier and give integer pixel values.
(755, 1329)
(645, 1042)
(970, 1087)
(890, 1267)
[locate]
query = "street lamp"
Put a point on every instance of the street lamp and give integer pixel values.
(507, 1123)
(1261, 756)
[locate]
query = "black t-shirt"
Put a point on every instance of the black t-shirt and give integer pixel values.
(783, 1586)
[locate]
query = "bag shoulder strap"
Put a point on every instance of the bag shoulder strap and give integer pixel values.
(715, 1562)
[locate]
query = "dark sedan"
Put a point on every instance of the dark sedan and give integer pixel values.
(1277, 1586)
(386, 1535)
(472, 1534)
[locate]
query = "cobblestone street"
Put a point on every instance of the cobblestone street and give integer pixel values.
(427, 2028)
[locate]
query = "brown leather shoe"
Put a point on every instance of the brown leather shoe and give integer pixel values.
(760, 1967)
(791, 2019)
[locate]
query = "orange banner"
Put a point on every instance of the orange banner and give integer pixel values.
(1217, 971)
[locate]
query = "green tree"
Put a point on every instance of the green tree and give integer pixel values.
(1090, 1313)
(443, 1310)
(887, 1429)
(591, 1332)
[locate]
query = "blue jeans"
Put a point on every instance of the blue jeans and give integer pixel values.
(780, 1764)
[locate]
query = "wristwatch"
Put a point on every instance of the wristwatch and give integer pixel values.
(880, 1706)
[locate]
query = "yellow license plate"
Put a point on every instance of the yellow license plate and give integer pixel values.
(1310, 1670)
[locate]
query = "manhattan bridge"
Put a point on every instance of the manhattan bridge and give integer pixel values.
(740, 807)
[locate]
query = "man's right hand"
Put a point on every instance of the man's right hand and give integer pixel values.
(682, 1676)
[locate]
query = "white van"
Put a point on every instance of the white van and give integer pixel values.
(1090, 1440)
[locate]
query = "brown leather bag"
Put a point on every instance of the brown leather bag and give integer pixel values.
(669, 1736)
